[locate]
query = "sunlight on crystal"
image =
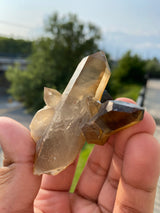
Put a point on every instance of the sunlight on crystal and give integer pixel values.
(61, 128)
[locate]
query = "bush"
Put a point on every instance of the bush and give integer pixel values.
(127, 77)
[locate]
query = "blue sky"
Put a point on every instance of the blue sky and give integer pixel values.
(125, 24)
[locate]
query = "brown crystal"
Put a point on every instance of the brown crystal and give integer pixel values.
(112, 117)
(57, 127)
(61, 128)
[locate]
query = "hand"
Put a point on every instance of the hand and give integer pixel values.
(119, 177)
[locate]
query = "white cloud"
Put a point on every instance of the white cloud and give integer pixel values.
(143, 43)
(147, 45)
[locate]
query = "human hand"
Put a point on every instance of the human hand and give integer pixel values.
(119, 177)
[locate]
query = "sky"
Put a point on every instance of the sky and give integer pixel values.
(125, 24)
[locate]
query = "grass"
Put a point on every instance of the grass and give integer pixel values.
(81, 164)
(129, 91)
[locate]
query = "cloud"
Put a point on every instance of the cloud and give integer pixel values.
(143, 43)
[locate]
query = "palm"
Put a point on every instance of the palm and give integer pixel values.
(66, 202)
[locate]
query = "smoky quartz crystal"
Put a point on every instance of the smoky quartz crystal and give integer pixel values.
(61, 128)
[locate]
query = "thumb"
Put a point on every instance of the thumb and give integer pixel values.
(18, 185)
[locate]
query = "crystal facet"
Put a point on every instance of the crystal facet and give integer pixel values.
(61, 128)
(57, 127)
(112, 117)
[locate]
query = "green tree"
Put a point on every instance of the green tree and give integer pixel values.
(128, 76)
(130, 69)
(152, 68)
(54, 58)
(15, 46)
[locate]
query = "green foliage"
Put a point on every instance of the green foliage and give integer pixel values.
(81, 164)
(130, 69)
(128, 91)
(127, 77)
(54, 59)
(15, 46)
(153, 68)
(22, 84)
(70, 41)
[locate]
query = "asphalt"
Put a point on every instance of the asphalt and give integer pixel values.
(15, 110)
(152, 104)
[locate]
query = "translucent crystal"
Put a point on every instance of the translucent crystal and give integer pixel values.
(57, 127)
(44, 116)
(112, 117)
(61, 128)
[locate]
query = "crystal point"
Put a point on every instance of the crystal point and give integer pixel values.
(51, 97)
(61, 139)
(61, 128)
(112, 117)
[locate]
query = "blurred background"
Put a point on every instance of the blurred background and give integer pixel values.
(42, 42)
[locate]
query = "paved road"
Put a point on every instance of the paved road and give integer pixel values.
(15, 110)
(152, 103)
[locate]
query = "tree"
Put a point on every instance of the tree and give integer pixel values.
(130, 69)
(10, 46)
(127, 75)
(54, 58)
(152, 68)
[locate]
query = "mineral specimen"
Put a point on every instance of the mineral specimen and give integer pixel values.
(61, 128)
(112, 117)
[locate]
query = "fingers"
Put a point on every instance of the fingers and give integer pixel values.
(18, 185)
(52, 201)
(140, 172)
(60, 182)
(101, 175)
(95, 171)
(12, 136)
(108, 158)
(108, 192)
(54, 191)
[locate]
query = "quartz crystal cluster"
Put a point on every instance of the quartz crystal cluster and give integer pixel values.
(61, 128)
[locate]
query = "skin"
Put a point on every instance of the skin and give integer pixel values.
(119, 177)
